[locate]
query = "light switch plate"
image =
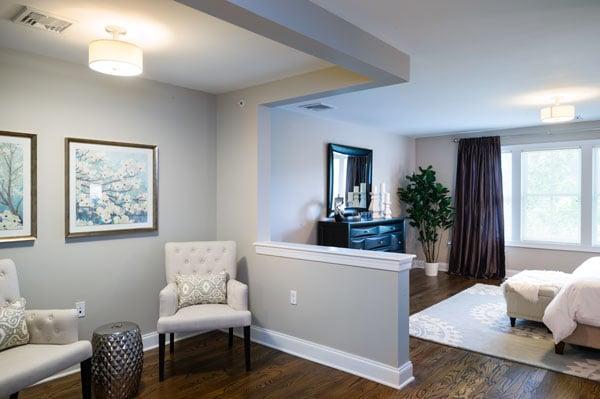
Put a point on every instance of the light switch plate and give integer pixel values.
(293, 297)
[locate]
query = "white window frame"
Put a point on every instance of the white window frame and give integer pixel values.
(587, 169)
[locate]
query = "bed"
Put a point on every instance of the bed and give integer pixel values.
(573, 315)
(568, 304)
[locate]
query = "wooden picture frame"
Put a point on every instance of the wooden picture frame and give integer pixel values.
(110, 188)
(18, 186)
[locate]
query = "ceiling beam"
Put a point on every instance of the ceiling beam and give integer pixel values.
(306, 27)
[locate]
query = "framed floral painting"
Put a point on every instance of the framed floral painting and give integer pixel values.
(111, 187)
(18, 186)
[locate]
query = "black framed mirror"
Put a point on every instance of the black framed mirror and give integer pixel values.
(349, 177)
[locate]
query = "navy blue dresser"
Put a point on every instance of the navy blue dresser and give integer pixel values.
(374, 235)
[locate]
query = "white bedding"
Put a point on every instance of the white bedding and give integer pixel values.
(577, 302)
(528, 282)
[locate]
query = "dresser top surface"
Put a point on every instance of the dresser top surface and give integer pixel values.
(359, 223)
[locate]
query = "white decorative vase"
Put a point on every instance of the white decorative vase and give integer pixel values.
(431, 269)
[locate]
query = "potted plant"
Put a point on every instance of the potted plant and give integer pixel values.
(429, 208)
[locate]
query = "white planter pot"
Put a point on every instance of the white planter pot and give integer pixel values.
(431, 269)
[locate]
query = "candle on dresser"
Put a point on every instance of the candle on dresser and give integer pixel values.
(375, 189)
(355, 189)
(382, 188)
(363, 187)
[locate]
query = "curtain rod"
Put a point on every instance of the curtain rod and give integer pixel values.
(547, 133)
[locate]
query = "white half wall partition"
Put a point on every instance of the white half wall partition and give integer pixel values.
(352, 306)
(352, 312)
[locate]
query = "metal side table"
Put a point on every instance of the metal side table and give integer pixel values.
(117, 360)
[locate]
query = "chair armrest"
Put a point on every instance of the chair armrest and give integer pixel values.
(57, 327)
(168, 300)
(237, 295)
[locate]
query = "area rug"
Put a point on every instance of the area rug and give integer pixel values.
(476, 320)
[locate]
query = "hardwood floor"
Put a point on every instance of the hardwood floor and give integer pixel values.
(204, 367)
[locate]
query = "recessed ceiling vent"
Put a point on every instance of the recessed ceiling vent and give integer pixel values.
(316, 107)
(41, 20)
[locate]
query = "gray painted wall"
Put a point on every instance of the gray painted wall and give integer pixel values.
(243, 188)
(299, 168)
(348, 308)
(441, 152)
(118, 276)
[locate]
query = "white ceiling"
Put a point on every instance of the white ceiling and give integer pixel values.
(476, 64)
(181, 46)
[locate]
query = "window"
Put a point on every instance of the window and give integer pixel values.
(552, 195)
(596, 198)
(507, 193)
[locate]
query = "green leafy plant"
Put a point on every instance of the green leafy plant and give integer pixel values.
(429, 208)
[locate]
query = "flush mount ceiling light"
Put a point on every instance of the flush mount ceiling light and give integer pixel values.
(115, 57)
(557, 113)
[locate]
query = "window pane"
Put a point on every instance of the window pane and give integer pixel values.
(507, 194)
(596, 198)
(551, 203)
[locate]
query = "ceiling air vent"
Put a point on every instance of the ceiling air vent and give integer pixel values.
(41, 20)
(316, 107)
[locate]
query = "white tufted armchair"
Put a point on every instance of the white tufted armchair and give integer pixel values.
(53, 344)
(201, 257)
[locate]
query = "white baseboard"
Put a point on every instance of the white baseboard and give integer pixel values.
(395, 377)
(149, 341)
(420, 264)
(512, 272)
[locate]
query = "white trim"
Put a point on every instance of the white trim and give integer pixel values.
(149, 341)
(420, 264)
(553, 247)
(512, 272)
(341, 256)
(395, 377)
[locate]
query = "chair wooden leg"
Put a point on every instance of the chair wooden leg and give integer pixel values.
(172, 343)
(161, 357)
(14, 395)
(86, 379)
(559, 348)
(513, 321)
(247, 347)
(231, 337)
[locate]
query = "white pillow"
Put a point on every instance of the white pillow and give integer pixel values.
(13, 327)
(197, 290)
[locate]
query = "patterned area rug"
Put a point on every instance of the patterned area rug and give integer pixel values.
(476, 320)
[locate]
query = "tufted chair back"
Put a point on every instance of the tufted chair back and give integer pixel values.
(200, 257)
(9, 283)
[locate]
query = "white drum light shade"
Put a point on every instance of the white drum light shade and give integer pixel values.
(558, 113)
(116, 57)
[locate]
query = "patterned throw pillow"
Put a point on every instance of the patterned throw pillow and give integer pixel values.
(197, 290)
(13, 328)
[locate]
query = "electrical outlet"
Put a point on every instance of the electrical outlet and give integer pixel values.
(80, 307)
(293, 297)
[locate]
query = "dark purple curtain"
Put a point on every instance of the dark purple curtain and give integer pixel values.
(356, 172)
(478, 235)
